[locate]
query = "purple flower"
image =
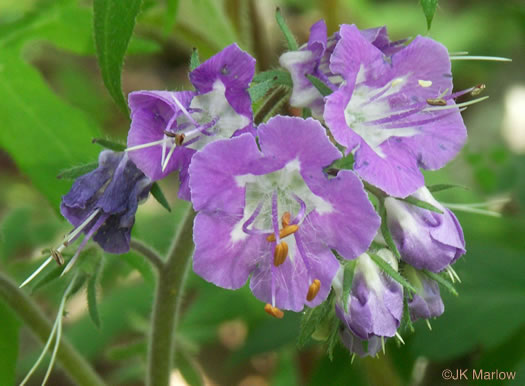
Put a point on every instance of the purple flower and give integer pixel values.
(273, 214)
(397, 114)
(375, 304)
(361, 347)
(167, 128)
(314, 59)
(102, 203)
(426, 303)
(425, 239)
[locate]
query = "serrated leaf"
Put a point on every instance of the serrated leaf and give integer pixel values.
(259, 90)
(157, 193)
(311, 319)
(420, 204)
(429, 9)
(52, 135)
(387, 268)
(440, 187)
(92, 294)
(194, 59)
(109, 144)
(114, 21)
(290, 39)
(442, 281)
(77, 171)
(323, 89)
(348, 278)
(386, 232)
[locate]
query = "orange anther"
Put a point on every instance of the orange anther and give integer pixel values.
(437, 102)
(313, 290)
(285, 220)
(274, 311)
(280, 253)
(286, 231)
(179, 138)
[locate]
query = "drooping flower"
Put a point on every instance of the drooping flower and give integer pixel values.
(167, 128)
(426, 303)
(275, 215)
(314, 59)
(425, 239)
(102, 205)
(375, 303)
(396, 114)
(361, 347)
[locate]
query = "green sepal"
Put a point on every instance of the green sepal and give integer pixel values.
(334, 336)
(306, 113)
(136, 348)
(407, 321)
(109, 144)
(386, 232)
(440, 187)
(429, 9)
(387, 268)
(346, 162)
(323, 89)
(77, 171)
(158, 195)
(290, 39)
(312, 318)
(280, 76)
(442, 281)
(420, 204)
(194, 59)
(348, 278)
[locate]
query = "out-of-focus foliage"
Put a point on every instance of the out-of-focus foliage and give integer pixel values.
(53, 103)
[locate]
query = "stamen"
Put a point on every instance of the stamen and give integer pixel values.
(167, 160)
(287, 231)
(488, 58)
(437, 102)
(145, 145)
(280, 253)
(37, 271)
(313, 290)
(478, 89)
(452, 278)
(285, 220)
(438, 108)
(352, 360)
(273, 311)
(424, 83)
(184, 111)
(383, 344)
(74, 233)
(57, 255)
(428, 324)
(275, 222)
(302, 210)
(400, 338)
(454, 273)
(179, 138)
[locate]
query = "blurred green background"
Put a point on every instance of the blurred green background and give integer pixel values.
(53, 101)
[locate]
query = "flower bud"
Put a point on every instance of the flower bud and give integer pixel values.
(426, 303)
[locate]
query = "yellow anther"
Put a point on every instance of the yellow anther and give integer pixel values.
(478, 89)
(313, 290)
(286, 231)
(285, 220)
(280, 253)
(437, 102)
(274, 311)
(424, 83)
(57, 256)
(179, 138)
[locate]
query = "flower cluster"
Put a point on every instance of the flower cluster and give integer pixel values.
(272, 207)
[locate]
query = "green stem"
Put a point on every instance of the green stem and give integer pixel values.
(78, 369)
(168, 296)
(148, 252)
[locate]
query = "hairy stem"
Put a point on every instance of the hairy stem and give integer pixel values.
(148, 252)
(78, 369)
(167, 302)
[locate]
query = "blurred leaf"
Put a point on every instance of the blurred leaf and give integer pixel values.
(172, 7)
(194, 59)
(429, 9)
(109, 144)
(387, 268)
(114, 21)
(188, 369)
(323, 89)
(420, 204)
(340, 371)
(51, 135)
(439, 187)
(14, 229)
(49, 277)
(77, 171)
(8, 345)
(128, 350)
(290, 39)
(333, 338)
(287, 372)
(157, 193)
(92, 294)
(140, 264)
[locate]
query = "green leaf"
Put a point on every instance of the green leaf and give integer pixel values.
(333, 339)
(280, 76)
(140, 265)
(194, 59)
(312, 318)
(188, 369)
(52, 135)
(114, 21)
(290, 39)
(386, 232)
(157, 193)
(259, 90)
(420, 204)
(109, 144)
(8, 344)
(92, 294)
(442, 281)
(77, 171)
(170, 15)
(323, 89)
(346, 162)
(429, 9)
(387, 268)
(49, 277)
(127, 350)
(348, 278)
(440, 187)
